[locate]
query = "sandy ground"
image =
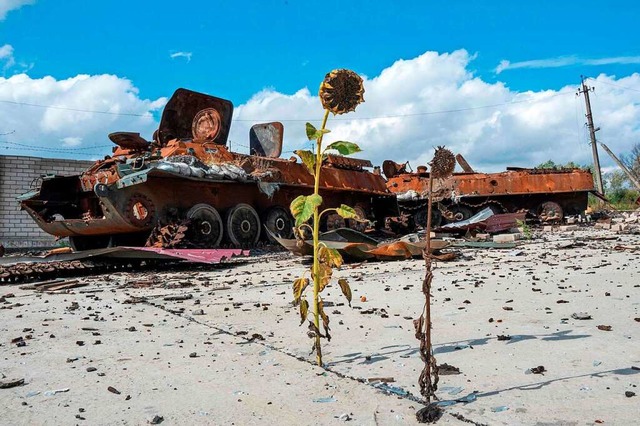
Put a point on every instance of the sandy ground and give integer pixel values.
(168, 359)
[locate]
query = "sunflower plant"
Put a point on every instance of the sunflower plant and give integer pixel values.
(442, 167)
(340, 92)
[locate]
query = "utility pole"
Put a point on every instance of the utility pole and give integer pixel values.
(592, 133)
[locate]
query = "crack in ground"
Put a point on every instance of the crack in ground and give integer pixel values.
(409, 396)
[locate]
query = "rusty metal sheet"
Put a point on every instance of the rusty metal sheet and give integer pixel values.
(208, 256)
(503, 222)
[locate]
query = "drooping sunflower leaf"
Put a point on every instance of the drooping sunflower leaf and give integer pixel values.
(304, 310)
(417, 325)
(312, 133)
(308, 159)
(325, 273)
(298, 288)
(330, 256)
(347, 212)
(344, 147)
(346, 290)
(325, 319)
(303, 206)
(313, 330)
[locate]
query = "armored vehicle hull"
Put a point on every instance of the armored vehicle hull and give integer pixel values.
(188, 177)
(547, 194)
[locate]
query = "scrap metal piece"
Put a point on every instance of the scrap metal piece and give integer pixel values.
(265, 140)
(463, 163)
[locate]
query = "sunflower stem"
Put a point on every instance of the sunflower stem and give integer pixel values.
(428, 287)
(316, 241)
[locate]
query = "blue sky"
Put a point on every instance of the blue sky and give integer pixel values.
(240, 47)
(238, 50)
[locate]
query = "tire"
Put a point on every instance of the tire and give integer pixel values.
(242, 225)
(206, 227)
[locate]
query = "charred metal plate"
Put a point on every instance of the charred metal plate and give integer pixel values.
(347, 162)
(129, 140)
(265, 140)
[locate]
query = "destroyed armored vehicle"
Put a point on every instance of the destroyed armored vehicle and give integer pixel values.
(188, 177)
(545, 194)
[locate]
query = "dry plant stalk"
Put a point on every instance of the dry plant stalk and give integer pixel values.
(442, 167)
(340, 92)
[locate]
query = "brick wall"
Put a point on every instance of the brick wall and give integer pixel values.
(17, 229)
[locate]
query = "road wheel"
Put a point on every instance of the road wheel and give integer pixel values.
(357, 225)
(243, 225)
(420, 217)
(206, 225)
(460, 213)
(335, 221)
(550, 211)
(279, 221)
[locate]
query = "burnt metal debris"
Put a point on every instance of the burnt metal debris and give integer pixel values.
(187, 189)
(187, 173)
(545, 194)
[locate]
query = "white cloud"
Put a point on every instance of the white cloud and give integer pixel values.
(6, 56)
(564, 61)
(433, 99)
(71, 141)
(8, 5)
(186, 55)
(521, 129)
(67, 124)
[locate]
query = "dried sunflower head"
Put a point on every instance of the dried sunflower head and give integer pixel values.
(341, 91)
(443, 163)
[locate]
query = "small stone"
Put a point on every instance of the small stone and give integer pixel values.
(629, 394)
(113, 390)
(193, 355)
(155, 419)
(198, 312)
(91, 369)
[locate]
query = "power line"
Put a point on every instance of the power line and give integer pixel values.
(56, 149)
(421, 113)
(614, 85)
(54, 152)
(130, 114)
(417, 114)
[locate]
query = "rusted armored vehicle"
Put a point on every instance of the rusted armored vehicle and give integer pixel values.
(188, 175)
(546, 194)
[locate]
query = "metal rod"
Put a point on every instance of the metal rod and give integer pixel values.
(630, 175)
